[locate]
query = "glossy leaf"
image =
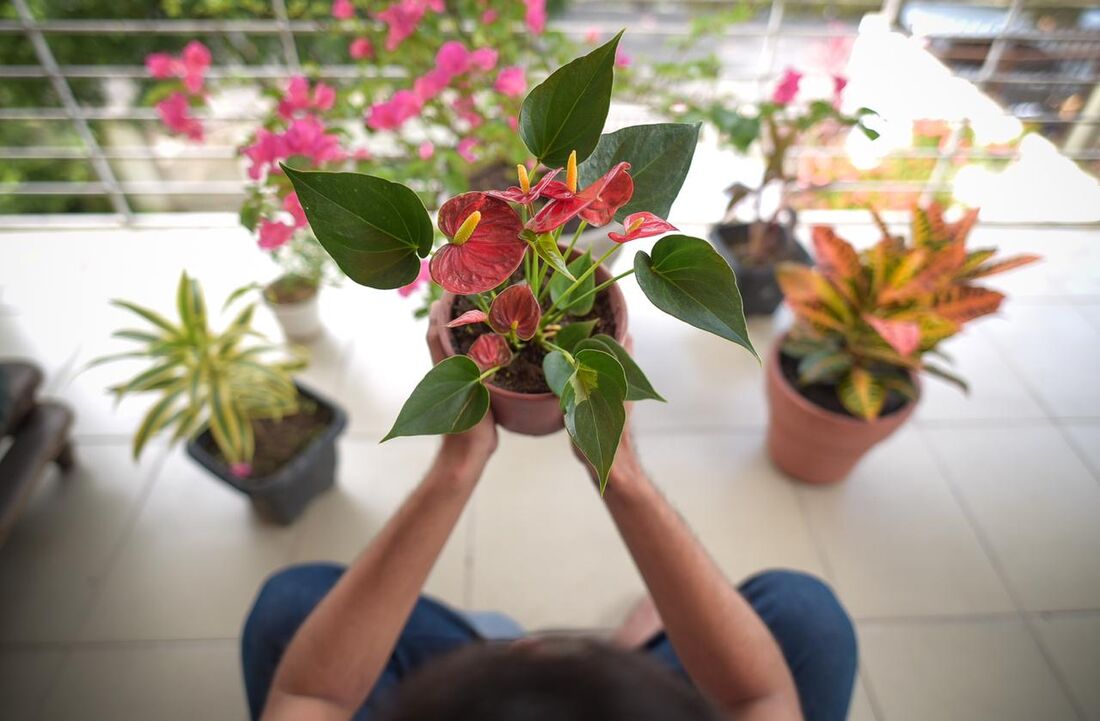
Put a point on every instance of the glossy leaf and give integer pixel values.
(490, 351)
(516, 310)
(638, 387)
(155, 420)
(450, 399)
(560, 284)
(1001, 266)
(862, 394)
(593, 404)
(557, 370)
(569, 336)
(376, 230)
(659, 155)
(686, 278)
(965, 303)
(835, 256)
(567, 111)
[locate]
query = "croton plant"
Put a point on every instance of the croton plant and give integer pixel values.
(867, 321)
(525, 286)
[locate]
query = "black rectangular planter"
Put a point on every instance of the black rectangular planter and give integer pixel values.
(282, 496)
(760, 293)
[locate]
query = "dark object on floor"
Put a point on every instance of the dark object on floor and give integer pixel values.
(39, 435)
(760, 294)
(282, 495)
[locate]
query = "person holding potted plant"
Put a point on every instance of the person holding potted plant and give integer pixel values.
(531, 326)
(866, 323)
(757, 231)
(244, 418)
(327, 642)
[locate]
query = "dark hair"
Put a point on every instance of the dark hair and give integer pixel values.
(546, 680)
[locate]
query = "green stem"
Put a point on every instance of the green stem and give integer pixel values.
(488, 373)
(584, 276)
(576, 236)
(587, 293)
(568, 356)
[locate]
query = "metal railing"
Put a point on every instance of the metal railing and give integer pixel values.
(772, 24)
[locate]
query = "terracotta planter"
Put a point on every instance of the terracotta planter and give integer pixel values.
(812, 444)
(531, 414)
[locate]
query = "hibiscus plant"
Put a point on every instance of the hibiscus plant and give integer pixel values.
(527, 289)
(866, 322)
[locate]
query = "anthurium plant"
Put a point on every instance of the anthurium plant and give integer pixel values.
(528, 290)
(867, 322)
(205, 379)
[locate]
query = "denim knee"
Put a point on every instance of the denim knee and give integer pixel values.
(287, 596)
(803, 610)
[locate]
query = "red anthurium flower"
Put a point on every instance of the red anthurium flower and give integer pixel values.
(516, 309)
(490, 351)
(641, 225)
(484, 246)
(516, 194)
(469, 317)
(596, 204)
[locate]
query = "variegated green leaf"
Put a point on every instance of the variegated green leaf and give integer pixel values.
(862, 394)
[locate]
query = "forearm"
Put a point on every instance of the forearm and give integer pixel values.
(724, 646)
(340, 651)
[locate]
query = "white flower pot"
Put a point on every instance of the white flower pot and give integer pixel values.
(300, 321)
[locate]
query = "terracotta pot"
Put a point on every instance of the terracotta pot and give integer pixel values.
(531, 414)
(812, 444)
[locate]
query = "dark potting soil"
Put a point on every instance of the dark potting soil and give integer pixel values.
(524, 373)
(290, 289)
(279, 441)
(824, 395)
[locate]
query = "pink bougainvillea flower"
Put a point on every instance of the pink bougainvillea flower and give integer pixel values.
(839, 83)
(468, 318)
(390, 115)
(535, 17)
(265, 151)
(274, 234)
(512, 81)
(622, 60)
(175, 113)
(513, 122)
(484, 59)
(343, 9)
(402, 18)
(190, 66)
(902, 335)
(360, 49)
(466, 149)
(596, 204)
(160, 65)
(240, 469)
(422, 277)
(489, 16)
(307, 137)
(516, 194)
(292, 205)
(592, 36)
(426, 150)
(641, 225)
(430, 84)
(464, 106)
(516, 310)
(490, 351)
(486, 251)
(453, 58)
(297, 98)
(787, 89)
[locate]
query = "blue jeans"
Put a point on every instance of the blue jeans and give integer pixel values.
(806, 619)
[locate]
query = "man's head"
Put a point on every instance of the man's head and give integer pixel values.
(552, 680)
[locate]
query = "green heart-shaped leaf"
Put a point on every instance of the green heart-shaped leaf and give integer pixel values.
(557, 371)
(450, 399)
(374, 229)
(567, 111)
(560, 284)
(686, 278)
(638, 387)
(572, 334)
(593, 403)
(659, 156)
(546, 247)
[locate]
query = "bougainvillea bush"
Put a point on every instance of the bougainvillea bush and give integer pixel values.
(867, 322)
(525, 285)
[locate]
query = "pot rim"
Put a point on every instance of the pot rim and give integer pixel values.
(602, 274)
(313, 297)
(813, 409)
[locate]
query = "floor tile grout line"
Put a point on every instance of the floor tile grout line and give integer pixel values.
(998, 568)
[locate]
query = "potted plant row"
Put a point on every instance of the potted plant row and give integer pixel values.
(234, 401)
(757, 231)
(533, 327)
(867, 324)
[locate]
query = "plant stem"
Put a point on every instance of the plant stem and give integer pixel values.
(488, 373)
(595, 290)
(576, 237)
(584, 276)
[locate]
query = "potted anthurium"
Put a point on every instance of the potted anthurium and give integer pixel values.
(530, 325)
(757, 231)
(866, 324)
(244, 418)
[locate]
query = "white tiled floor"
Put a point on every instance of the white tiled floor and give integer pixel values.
(966, 546)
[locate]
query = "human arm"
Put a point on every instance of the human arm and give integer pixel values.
(724, 646)
(340, 651)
